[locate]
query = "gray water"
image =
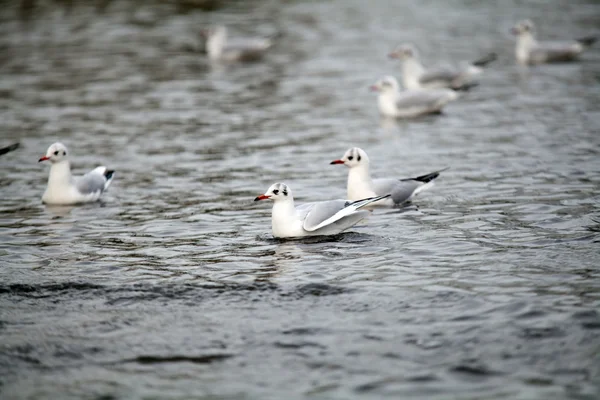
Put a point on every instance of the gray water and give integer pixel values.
(172, 287)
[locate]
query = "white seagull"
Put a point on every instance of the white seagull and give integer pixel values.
(220, 48)
(416, 76)
(409, 103)
(529, 51)
(360, 184)
(312, 219)
(63, 188)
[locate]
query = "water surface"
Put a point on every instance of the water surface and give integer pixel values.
(172, 287)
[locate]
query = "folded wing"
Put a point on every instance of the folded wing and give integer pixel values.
(94, 181)
(327, 212)
(427, 98)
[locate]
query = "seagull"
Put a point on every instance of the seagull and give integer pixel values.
(529, 51)
(220, 48)
(360, 184)
(63, 188)
(412, 102)
(416, 76)
(312, 219)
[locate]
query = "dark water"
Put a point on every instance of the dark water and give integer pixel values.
(172, 288)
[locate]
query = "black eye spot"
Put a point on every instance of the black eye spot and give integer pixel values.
(350, 158)
(56, 153)
(284, 192)
(275, 191)
(358, 158)
(64, 153)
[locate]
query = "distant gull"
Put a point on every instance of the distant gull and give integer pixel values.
(409, 103)
(416, 76)
(360, 184)
(529, 51)
(220, 47)
(63, 188)
(312, 219)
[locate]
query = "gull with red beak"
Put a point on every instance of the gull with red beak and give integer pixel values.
(360, 184)
(529, 51)
(63, 188)
(409, 103)
(312, 219)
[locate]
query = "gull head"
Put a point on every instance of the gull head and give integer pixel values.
(523, 28)
(354, 157)
(216, 37)
(277, 192)
(388, 84)
(404, 52)
(217, 31)
(56, 153)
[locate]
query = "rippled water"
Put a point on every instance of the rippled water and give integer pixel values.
(172, 287)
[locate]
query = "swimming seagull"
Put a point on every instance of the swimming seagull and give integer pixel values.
(63, 188)
(312, 219)
(416, 76)
(409, 103)
(220, 48)
(360, 184)
(529, 51)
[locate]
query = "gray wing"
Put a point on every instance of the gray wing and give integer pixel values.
(249, 43)
(328, 212)
(557, 51)
(440, 76)
(246, 50)
(401, 191)
(419, 98)
(92, 182)
(316, 213)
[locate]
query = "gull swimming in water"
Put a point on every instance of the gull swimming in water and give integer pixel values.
(409, 103)
(63, 188)
(312, 219)
(416, 76)
(360, 184)
(529, 51)
(220, 47)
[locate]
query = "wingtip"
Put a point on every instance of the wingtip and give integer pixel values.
(10, 148)
(587, 41)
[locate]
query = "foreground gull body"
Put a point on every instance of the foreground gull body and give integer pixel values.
(220, 48)
(409, 103)
(416, 76)
(360, 184)
(312, 219)
(529, 51)
(63, 188)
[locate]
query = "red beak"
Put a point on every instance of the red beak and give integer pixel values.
(374, 88)
(262, 197)
(43, 159)
(393, 55)
(336, 162)
(514, 31)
